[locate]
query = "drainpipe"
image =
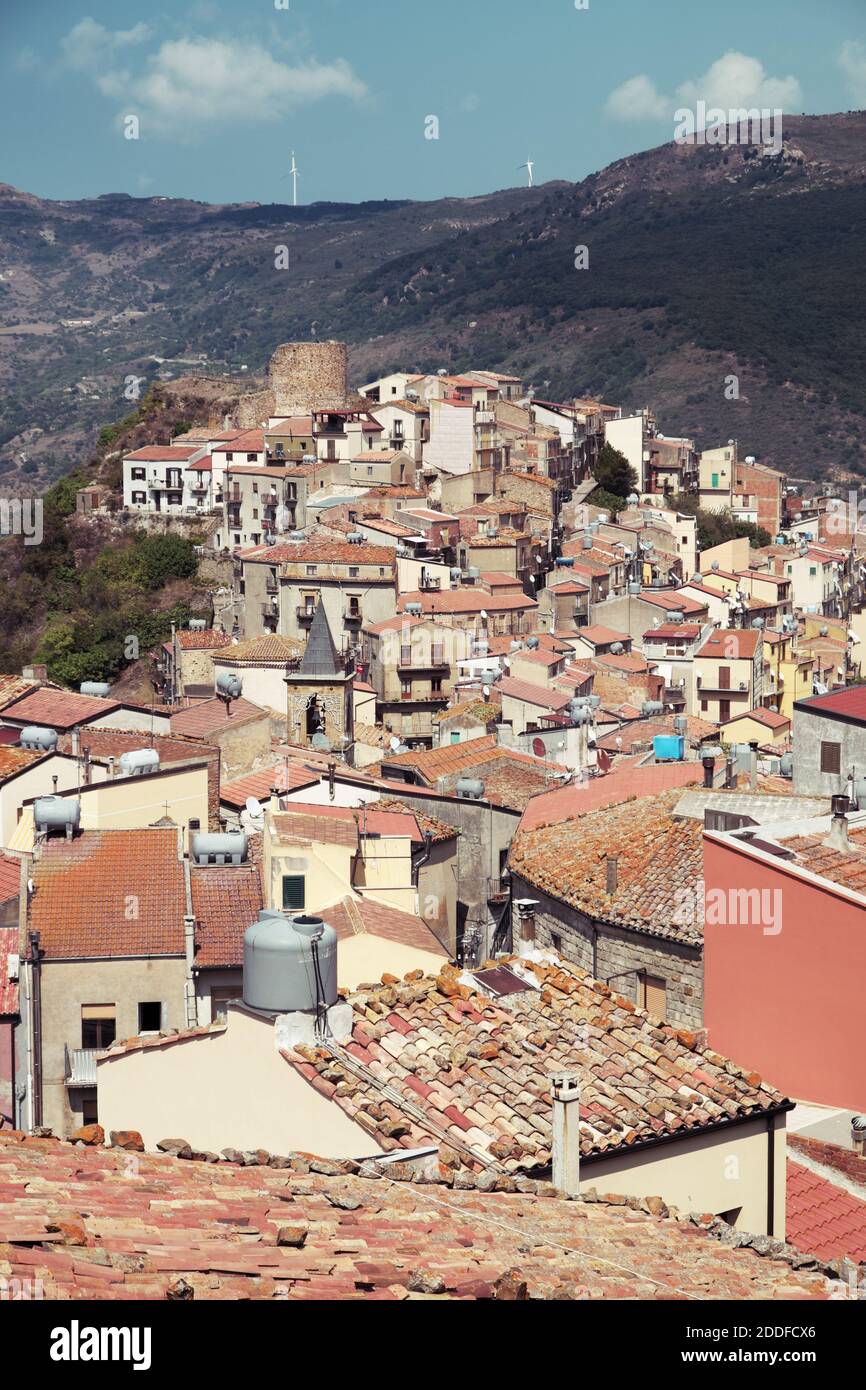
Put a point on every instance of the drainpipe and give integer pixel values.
(565, 1095)
(36, 1003)
(771, 1175)
(753, 766)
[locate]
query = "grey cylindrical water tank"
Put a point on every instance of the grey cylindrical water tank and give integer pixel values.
(227, 683)
(532, 643)
(197, 625)
(56, 812)
(139, 760)
(99, 689)
(470, 788)
(786, 764)
(36, 737)
(279, 963)
(227, 848)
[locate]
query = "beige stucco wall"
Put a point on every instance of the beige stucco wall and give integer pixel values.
(37, 781)
(243, 747)
(125, 983)
(384, 870)
(708, 1173)
(130, 803)
(363, 959)
(227, 1088)
(327, 871)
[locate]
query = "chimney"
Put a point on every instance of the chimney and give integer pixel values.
(753, 766)
(730, 772)
(858, 1133)
(612, 865)
(274, 803)
(709, 772)
(838, 837)
(110, 768)
(565, 1094)
(525, 926)
(76, 741)
(87, 769)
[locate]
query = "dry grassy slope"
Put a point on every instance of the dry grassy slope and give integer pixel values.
(172, 279)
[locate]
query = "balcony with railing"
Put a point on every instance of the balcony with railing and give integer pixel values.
(352, 616)
(305, 614)
(422, 661)
(81, 1065)
(498, 889)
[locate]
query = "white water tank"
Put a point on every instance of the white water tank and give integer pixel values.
(290, 963)
(57, 813)
(229, 847)
(138, 761)
(43, 740)
(229, 685)
(99, 689)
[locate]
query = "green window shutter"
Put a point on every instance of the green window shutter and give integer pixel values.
(294, 896)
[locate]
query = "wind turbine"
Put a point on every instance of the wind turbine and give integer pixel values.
(293, 173)
(528, 166)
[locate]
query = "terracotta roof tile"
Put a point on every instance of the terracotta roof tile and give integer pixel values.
(282, 776)
(192, 641)
(83, 889)
(270, 649)
(213, 717)
(658, 859)
(13, 760)
(226, 899)
(640, 1079)
(363, 916)
(623, 784)
(58, 709)
(8, 988)
(215, 1227)
(823, 1219)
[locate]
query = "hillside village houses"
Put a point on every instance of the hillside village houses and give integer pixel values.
(465, 799)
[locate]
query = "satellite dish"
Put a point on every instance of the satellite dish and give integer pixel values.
(485, 691)
(393, 743)
(254, 807)
(483, 614)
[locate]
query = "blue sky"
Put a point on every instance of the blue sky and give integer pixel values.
(223, 90)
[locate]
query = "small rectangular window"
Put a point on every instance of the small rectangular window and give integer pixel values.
(311, 569)
(294, 892)
(149, 1017)
(653, 994)
(830, 757)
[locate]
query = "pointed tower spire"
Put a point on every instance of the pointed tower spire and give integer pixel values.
(321, 657)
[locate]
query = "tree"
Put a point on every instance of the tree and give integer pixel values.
(614, 473)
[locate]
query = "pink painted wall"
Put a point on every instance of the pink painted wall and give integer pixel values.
(788, 1006)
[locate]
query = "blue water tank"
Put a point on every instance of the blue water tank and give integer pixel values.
(669, 748)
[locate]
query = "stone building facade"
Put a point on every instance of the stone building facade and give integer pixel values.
(630, 961)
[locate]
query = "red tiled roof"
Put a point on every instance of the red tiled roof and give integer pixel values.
(763, 716)
(847, 704)
(823, 1219)
(670, 601)
(531, 693)
(656, 858)
(269, 649)
(362, 916)
(620, 785)
(601, 636)
(168, 453)
(731, 643)
(259, 784)
(470, 599)
(85, 888)
(8, 988)
(212, 1228)
(226, 899)
(13, 760)
(290, 825)
(443, 1051)
(213, 716)
(10, 878)
(58, 709)
(111, 743)
(686, 630)
(191, 641)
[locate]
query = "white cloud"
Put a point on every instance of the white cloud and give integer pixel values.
(732, 81)
(852, 61)
(736, 80)
(191, 83)
(90, 45)
(638, 99)
(470, 102)
(26, 60)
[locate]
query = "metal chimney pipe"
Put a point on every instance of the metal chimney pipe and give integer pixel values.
(709, 765)
(565, 1095)
(753, 766)
(76, 741)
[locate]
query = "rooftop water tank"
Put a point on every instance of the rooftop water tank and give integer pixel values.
(681, 724)
(197, 625)
(415, 609)
(516, 646)
(634, 589)
(587, 541)
(281, 955)
(758, 623)
(297, 536)
(617, 648)
(229, 847)
(43, 740)
(470, 788)
(474, 572)
(532, 643)
(355, 537)
(786, 764)
(564, 561)
(230, 685)
(455, 575)
(96, 688)
(652, 707)
(674, 616)
(138, 761)
(669, 748)
(57, 813)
